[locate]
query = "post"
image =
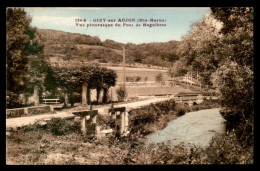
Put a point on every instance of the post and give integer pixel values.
(83, 125)
(88, 121)
(126, 121)
(122, 122)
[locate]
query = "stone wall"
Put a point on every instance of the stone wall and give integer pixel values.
(18, 112)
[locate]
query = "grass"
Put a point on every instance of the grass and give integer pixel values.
(60, 143)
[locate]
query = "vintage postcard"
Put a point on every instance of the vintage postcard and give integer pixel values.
(129, 85)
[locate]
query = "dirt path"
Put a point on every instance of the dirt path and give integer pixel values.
(196, 128)
(22, 121)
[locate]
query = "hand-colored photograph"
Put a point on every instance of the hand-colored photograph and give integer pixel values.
(129, 85)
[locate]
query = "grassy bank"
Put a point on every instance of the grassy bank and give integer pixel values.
(61, 143)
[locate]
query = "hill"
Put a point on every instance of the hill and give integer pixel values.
(61, 45)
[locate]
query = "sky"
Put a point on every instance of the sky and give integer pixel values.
(175, 22)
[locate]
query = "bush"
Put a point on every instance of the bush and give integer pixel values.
(227, 150)
(58, 126)
(236, 85)
(121, 93)
(12, 100)
(142, 120)
(181, 111)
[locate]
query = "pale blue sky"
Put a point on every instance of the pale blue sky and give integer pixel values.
(178, 21)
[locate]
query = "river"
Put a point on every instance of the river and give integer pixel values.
(195, 128)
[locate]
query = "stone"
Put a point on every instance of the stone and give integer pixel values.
(107, 131)
(42, 123)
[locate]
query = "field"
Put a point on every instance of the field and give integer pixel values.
(142, 72)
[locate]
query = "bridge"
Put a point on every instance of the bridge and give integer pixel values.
(192, 98)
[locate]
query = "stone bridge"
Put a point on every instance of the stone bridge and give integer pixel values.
(191, 98)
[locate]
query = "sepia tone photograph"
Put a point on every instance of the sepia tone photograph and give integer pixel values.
(129, 85)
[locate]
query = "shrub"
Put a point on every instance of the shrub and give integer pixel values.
(143, 119)
(58, 126)
(227, 150)
(121, 93)
(236, 85)
(181, 109)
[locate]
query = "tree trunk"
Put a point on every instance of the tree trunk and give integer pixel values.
(105, 95)
(88, 95)
(66, 100)
(100, 100)
(36, 95)
(84, 94)
(98, 94)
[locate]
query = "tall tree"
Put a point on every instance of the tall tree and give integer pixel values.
(25, 58)
(236, 78)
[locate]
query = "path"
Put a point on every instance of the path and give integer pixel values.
(23, 121)
(196, 128)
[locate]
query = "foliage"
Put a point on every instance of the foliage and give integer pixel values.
(198, 49)
(159, 78)
(59, 126)
(178, 69)
(17, 24)
(181, 110)
(236, 87)
(84, 47)
(121, 93)
(142, 118)
(220, 49)
(225, 149)
(26, 63)
(236, 79)
(69, 76)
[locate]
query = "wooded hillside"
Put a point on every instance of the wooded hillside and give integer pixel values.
(61, 45)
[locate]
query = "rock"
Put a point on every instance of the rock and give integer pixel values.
(107, 131)
(42, 145)
(42, 123)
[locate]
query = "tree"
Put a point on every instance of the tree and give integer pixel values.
(198, 49)
(178, 69)
(159, 78)
(236, 80)
(37, 65)
(121, 93)
(17, 23)
(71, 75)
(26, 63)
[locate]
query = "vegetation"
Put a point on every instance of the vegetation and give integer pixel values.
(74, 76)
(26, 63)
(121, 93)
(219, 48)
(236, 80)
(67, 46)
(59, 142)
(159, 78)
(156, 116)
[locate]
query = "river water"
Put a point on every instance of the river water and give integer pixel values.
(195, 128)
